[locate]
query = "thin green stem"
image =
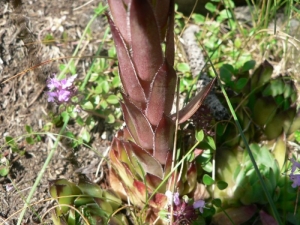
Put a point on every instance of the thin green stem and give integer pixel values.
(87, 77)
(63, 72)
(43, 170)
(172, 171)
(223, 210)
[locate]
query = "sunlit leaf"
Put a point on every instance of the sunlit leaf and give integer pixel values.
(210, 7)
(199, 135)
(85, 135)
(207, 180)
(88, 105)
(110, 118)
(112, 99)
(183, 67)
(4, 170)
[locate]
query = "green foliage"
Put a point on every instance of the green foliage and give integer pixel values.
(245, 188)
(207, 180)
(262, 104)
(103, 97)
(248, 187)
(12, 144)
(4, 167)
(222, 185)
(259, 101)
(87, 201)
(297, 136)
(48, 39)
(30, 138)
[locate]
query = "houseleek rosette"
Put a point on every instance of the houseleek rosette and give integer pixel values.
(244, 194)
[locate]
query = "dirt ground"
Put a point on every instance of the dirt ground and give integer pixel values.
(23, 25)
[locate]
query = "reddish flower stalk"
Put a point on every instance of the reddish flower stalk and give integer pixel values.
(141, 153)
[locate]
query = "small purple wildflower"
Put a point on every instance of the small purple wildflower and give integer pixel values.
(199, 204)
(295, 177)
(183, 212)
(61, 90)
(176, 198)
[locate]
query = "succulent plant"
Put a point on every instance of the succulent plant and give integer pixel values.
(265, 106)
(244, 194)
(96, 206)
(141, 153)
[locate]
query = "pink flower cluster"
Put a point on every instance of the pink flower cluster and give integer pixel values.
(61, 90)
(295, 177)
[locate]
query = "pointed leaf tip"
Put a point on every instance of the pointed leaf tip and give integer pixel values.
(127, 71)
(138, 124)
(161, 95)
(163, 139)
(193, 105)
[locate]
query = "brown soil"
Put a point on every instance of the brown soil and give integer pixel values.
(24, 68)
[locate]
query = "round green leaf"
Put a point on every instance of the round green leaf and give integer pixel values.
(217, 202)
(110, 118)
(105, 86)
(112, 99)
(88, 105)
(207, 180)
(237, 43)
(103, 104)
(199, 135)
(249, 65)
(65, 116)
(85, 136)
(29, 140)
(183, 67)
(198, 18)
(4, 171)
(80, 121)
(211, 142)
(116, 82)
(222, 185)
(208, 167)
(210, 7)
(28, 129)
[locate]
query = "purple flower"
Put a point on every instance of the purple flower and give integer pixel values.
(183, 211)
(296, 180)
(176, 198)
(61, 90)
(295, 177)
(199, 204)
(295, 165)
